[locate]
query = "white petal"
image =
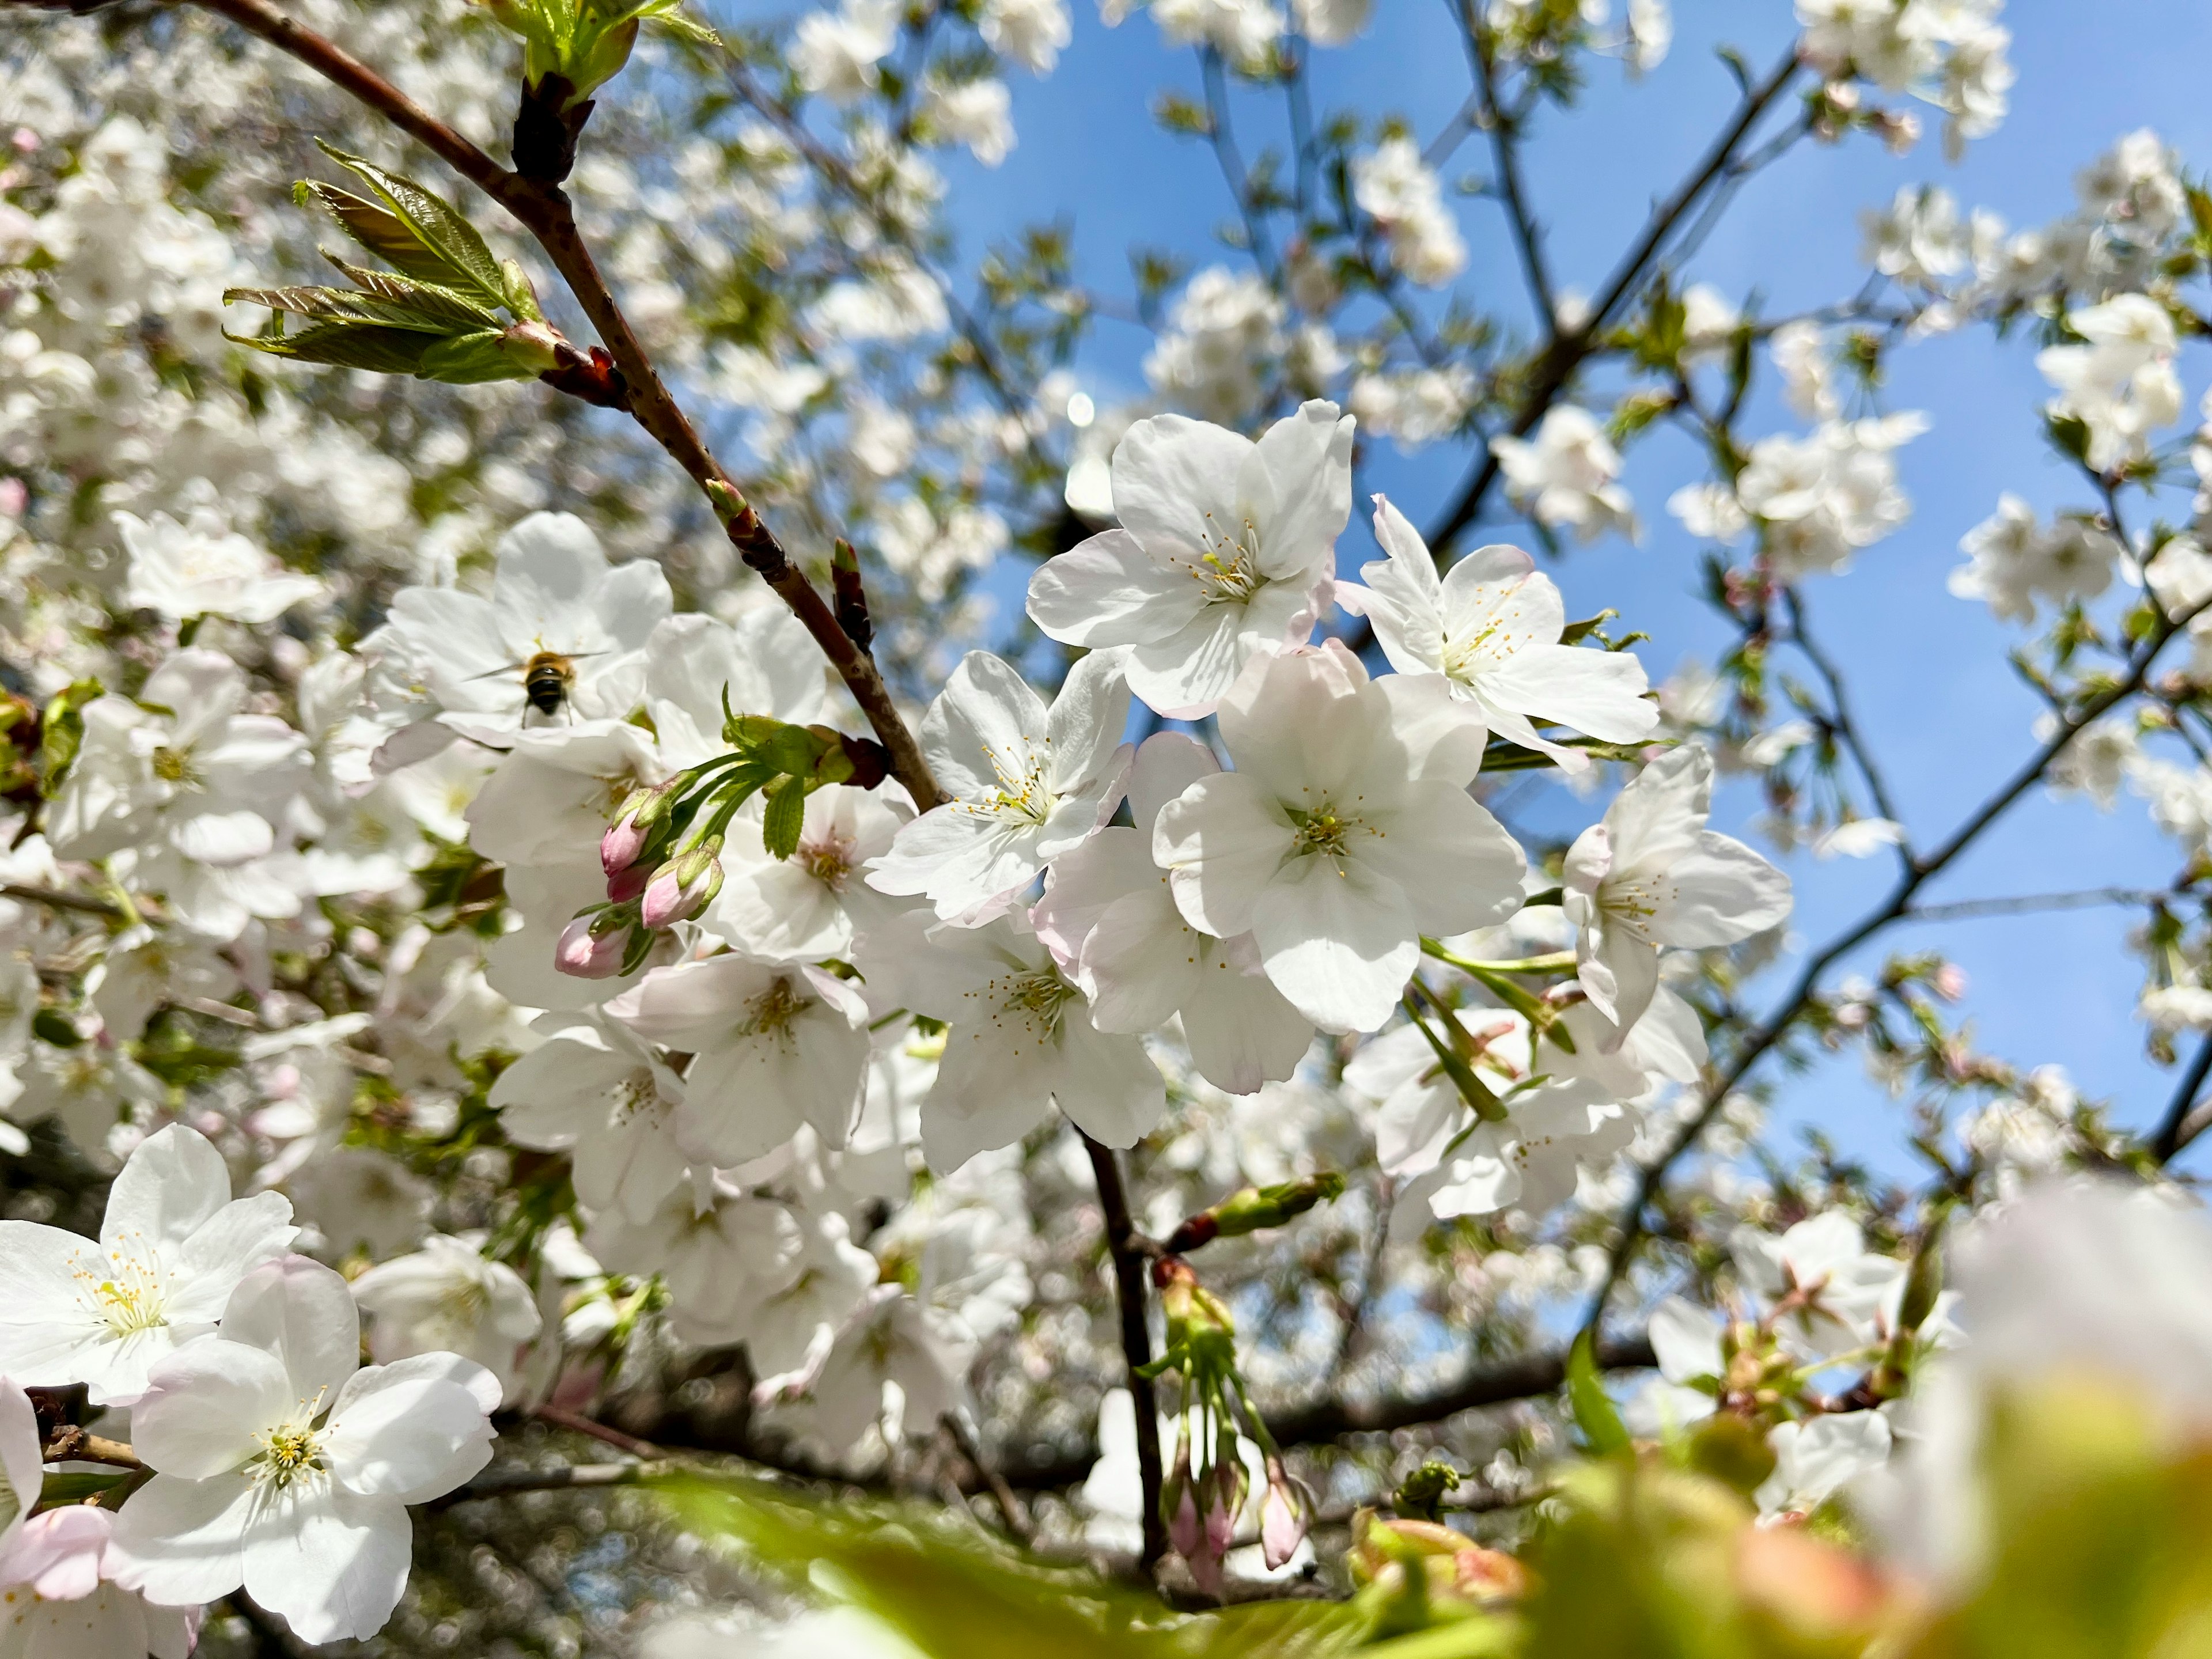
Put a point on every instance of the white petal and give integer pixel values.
(303, 1313)
(1721, 892)
(1445, 852)
(183, 1541)
(208, 1403)
(1242, 1032)
(336, 1568)
(1107, 1086)
(173, 1182)
(1223, 839)
(406, 1430)
(1109, 590)
(1338, 941)
(1598, 693)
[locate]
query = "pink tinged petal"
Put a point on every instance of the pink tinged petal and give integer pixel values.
(1498, 590)
(334, 1567)
(582, 954)
(1445, 852)
(1168, 762)
(1597, 693)
(1106, 1087)
(171, 1184)
(1721, 892)
(181, 1541)
(1142, 961)
(1339, 941)
(58, 1554)
(304, 1314)
(1083, 884)
(1308, 460)
(208, 1403)
(1222, 840)
(1169, 473)
(1243, 1033)
(1109, 590)
(407, 1431)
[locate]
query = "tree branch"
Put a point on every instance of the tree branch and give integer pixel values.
(543, 211)
(2169, 1139)
(1130, 1267)
(1505, 150)
(1846, 727)
(54, 899)
(1918, 873)
(2030, 903)
(1566, 352)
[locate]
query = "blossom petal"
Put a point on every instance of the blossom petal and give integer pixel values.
(210, 1402)
(1110, 591)
(407, 1430)
(1222, 840)
(303, 1313)
(334, 1568)
(1338, 940)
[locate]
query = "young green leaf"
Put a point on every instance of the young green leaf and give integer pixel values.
(1594, 1414)
(786, 815)
(436, 224)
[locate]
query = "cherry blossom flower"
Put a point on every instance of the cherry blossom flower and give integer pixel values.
(1651, 875)
(721, 1252)
(1567, 476)
(58, 1595)
(1021, 1039)
(773, 1046)
(591, 1089)
(1028, 783)
(799, 909)
(1345, 834)
(1491, 626)
(553, 591)
(448, 1297)
(283, 1466)
(1112, 923)
(201, 568)
(1226, 548)
(173, 1246)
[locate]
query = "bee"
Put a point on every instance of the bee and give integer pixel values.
(547, 679)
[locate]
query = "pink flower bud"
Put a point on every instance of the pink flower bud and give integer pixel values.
(1184, 1532)
(620, 847)
(588, 955)
(681, 888)
(623, 885)
(1282, 1518)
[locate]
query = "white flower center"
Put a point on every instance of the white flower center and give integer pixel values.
(175, 765)
(127, 1287)
(1630, 901)
(635, 1093)
(1328, 830)
(1022, 1005)
(1229, 569)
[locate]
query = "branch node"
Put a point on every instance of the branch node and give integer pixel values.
(547, 125)
(851, 597)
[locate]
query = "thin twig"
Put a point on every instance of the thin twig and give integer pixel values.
(53, 899)
(1918, 873)
(577, 1423)
(1129, 1274)
(1567, 350)
(2032, 903)
(575, 1477)
(1845, 726)
(1010, 1506)
(1506, 151)
(544, 211)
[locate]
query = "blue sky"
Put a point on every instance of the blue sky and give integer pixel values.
(1926, 669)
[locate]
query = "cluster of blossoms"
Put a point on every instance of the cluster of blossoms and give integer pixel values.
(431, 832)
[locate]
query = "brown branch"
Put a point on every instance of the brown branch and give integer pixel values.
(544, 209)
(575, 1477)
(71, 1444)
(1010, 1506)
(1505, 150)
(1918, 873)
(577, 1423)
(2170, 1135)
(1129, 1275)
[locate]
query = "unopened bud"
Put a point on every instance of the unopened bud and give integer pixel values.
(625, 886)
(588, 954)
(1282, 1517)
(684, 886)
(1252, 1208)
(535, 345)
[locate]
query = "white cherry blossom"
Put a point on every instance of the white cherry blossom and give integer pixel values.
(1567, 476)
(591, 1089)
(1651, 874)
(772, 1046)
(173, 1246)
(1226, 548)
(283, 1466)
(203, 568)
(721, 1252)
(1028, 783)
(58, 1595)
(1111, 922)
(1490, 626)
(1345, 834)
(448, 1297)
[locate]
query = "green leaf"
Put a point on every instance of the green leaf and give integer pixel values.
(74, 1487)
(440, 229)
(61, 733)
(1593, 1408)
(341, 305)
(786, 800)
(472, 359)
(427, 298)
(382, 232)
(345, 345)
